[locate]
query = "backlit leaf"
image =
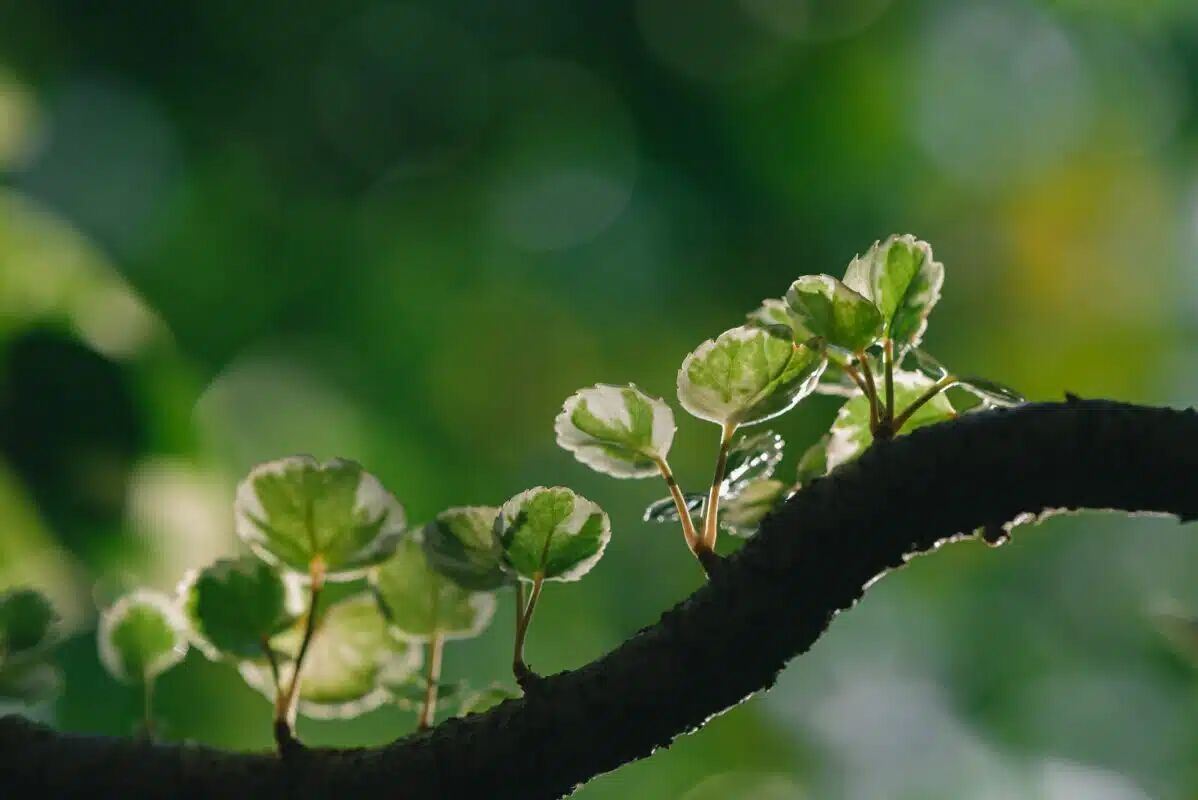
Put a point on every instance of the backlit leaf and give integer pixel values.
(296, 510)
(751, 457)
(665, 510)
(814, 462)
(990, 392)
(421, 602)
(352, 658)
(828, 308)
(748, 375)
(617, 430)
(235, 605)
(552, 531)
(461, 543)
(141, 636)
(903, 280)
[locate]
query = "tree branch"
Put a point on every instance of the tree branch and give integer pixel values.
(765, 605)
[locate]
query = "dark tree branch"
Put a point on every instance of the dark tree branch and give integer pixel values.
(763, 606)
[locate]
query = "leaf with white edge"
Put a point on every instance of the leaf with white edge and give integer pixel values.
(828, 308)
(664, 510)
(352, 658)
(552, 531)
(742, 513)
(927, 364)
(750, 458)
(748, 375)
(850, 433)
(236, 605)
(295, 511)
(991, 393)
(774, 312)
(617, 430)
(814, 462)
(903, 280)
(461, 544)
(29, 682)
(26, 619)
(421, 602)
(141, 635)
(484, 700)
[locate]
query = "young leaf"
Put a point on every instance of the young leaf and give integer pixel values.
(747, 375)
(664, 510)
(774, 312)
(421, 602)
(903, 280)
(553, 531)
(814, 462)
(141, 636)
(235, 605)
(850, 433)
(295, 511)
(461, 544)
(616, 430)
(744, 511)
(836, 382)
(26, 618)
(352, 657)
(485, 699)
(828, 308)
(410, 694)
(927, 364)
(750, 458)
(991, 393)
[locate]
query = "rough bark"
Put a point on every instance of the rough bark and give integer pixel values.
(763, 606)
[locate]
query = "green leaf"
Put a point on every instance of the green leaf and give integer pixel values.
(773, 313)
(991, 393)
(836, 382)
(747, 375)
(750, 458)
(141, 636)
(850, 432)
(552, 531)
(236, 605)
(353, 657)
(743, 512)
(616, 430)
(664, 510)
(26, 618)
(814, 462)
(484, 700)
(295, 510)
(29, 681)
(903, 280)
(420, 602)
(461, 544)
(828, 308)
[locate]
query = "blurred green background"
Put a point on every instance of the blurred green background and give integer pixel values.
(404, 233)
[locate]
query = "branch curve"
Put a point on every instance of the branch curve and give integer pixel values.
(762, 607)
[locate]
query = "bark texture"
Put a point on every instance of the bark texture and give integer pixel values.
(762, 607)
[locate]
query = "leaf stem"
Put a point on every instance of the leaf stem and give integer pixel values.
(935, 389)
(432, 681)
(711, 512)
(852, 372)
(888, 358)
(286, 701)
(523, 619)
(688, 525)
(871, 391)
(147, 708)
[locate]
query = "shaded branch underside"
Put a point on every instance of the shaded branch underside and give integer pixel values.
(767, 604)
